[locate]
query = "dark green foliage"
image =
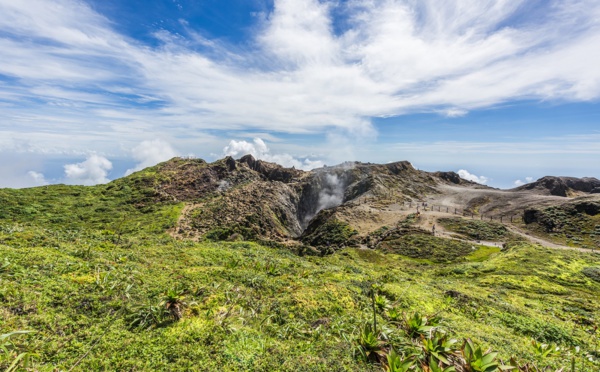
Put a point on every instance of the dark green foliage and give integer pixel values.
(478, 360)
(235, 232)
(428, 247)
(476, 229)
(538, 330)
(332, 233)
(371, 347)
(592, 273)
(570, 224)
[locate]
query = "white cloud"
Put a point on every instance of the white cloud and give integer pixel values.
(98, 89)
(149, 153)
(455, 113)
(521, 183)
(92, 171)
(464, 174)
(259, 150)
(38, 178)
(394, 57)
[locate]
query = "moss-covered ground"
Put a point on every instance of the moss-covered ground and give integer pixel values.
(565, 225)
(477, 229)
(96, 293)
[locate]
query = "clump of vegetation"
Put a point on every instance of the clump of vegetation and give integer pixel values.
(592, 273)
(425, 246)
(477, 229)
(570, 224)
(12, 355)
(331, 233)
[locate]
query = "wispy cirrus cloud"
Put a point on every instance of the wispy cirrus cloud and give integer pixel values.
(395, 56)
(69, 75)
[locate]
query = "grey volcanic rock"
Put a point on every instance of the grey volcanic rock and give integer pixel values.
(258, 200)
(588, 207)
(451, 177)
(271, 171)
(563, 186)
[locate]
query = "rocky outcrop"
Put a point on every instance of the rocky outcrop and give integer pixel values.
(588, 207)
(563, 186)
(271, 171)
(254, 199)
(451, 177)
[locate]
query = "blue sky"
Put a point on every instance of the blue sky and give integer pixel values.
(504, 91)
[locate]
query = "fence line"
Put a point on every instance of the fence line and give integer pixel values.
(425, 207)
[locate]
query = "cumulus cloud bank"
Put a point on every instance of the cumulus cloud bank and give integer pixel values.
(149, 153)
(464, 174)
(38, 178)
(92, 171)
(259, 149)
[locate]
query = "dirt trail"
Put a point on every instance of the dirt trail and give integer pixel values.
(183, 224)
(543, 242)
(429, 218)
(394, 213)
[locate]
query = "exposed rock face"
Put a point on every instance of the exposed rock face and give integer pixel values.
(530, 216)
(563, 186)
(262, 200)
(451, 177)
(329, 206)
(271, 171)
(588, 207)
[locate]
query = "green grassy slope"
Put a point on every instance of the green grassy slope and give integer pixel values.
(89, 269)
(125, 205)
(568, 226)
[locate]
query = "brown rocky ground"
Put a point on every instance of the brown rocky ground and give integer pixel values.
(253, 199)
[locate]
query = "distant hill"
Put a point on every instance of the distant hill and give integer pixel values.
(250, 199)
(563, 186)
(255, 199)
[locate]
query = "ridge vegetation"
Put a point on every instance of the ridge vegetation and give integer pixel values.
(130, 276)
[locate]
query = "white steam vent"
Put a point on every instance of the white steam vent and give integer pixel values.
(332, 193)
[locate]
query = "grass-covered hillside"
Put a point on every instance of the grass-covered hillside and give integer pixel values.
(573, 224)
(94, 278)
